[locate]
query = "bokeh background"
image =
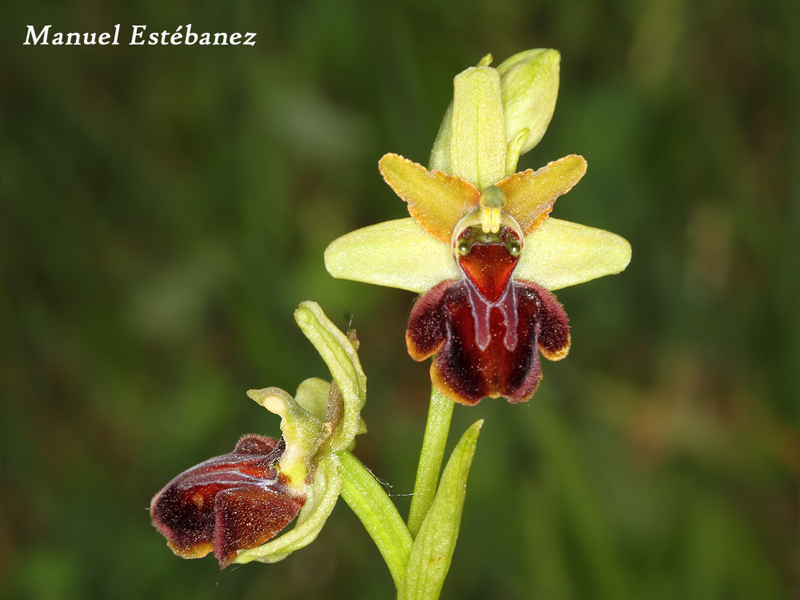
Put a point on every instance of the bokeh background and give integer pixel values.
(164, 210)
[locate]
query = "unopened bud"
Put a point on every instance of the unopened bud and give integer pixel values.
(529, 86)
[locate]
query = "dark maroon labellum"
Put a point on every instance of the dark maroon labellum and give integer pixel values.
(486, 327)
(231, 502)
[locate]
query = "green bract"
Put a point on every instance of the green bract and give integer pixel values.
(433, 548)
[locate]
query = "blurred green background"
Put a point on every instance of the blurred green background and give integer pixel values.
(164, 210)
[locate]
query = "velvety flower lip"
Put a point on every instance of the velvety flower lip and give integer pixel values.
(480, 244)
(227, 503)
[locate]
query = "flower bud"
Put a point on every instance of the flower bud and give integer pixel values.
(529, 86)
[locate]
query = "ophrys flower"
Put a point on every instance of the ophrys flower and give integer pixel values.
(480, 244)
(235, 504)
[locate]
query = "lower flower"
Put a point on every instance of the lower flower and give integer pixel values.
(236, 504)
(232, 502)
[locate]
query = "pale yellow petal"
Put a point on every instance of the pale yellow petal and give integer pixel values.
(395, 254)
(561, 253)
(436, 200)
(531, 194)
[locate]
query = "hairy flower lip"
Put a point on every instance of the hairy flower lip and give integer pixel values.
(448, 322)
(228, 503)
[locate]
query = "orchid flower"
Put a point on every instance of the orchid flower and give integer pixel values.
(235, 504)
(480, 245)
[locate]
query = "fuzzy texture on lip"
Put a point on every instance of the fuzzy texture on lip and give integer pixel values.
(442, 321)
(228, 503)
(487, 329)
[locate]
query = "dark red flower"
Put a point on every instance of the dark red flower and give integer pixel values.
(228, 503)
(487, 327)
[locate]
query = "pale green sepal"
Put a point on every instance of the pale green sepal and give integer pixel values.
(321, 497)
(300, 430)
(529, 84)
(368, 500)
(440, 155)
(561, 253)
(514, 150)
(478, 137)
(396, 254)
(433, 547)
(339, 354)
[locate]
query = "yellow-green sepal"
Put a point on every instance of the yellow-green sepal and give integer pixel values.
(478, 135)
(560, 253)
(341, 356)
(471, 142)
(397, 254)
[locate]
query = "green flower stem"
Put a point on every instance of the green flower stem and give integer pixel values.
(433, 547)
(365, 496)
(430, 459)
